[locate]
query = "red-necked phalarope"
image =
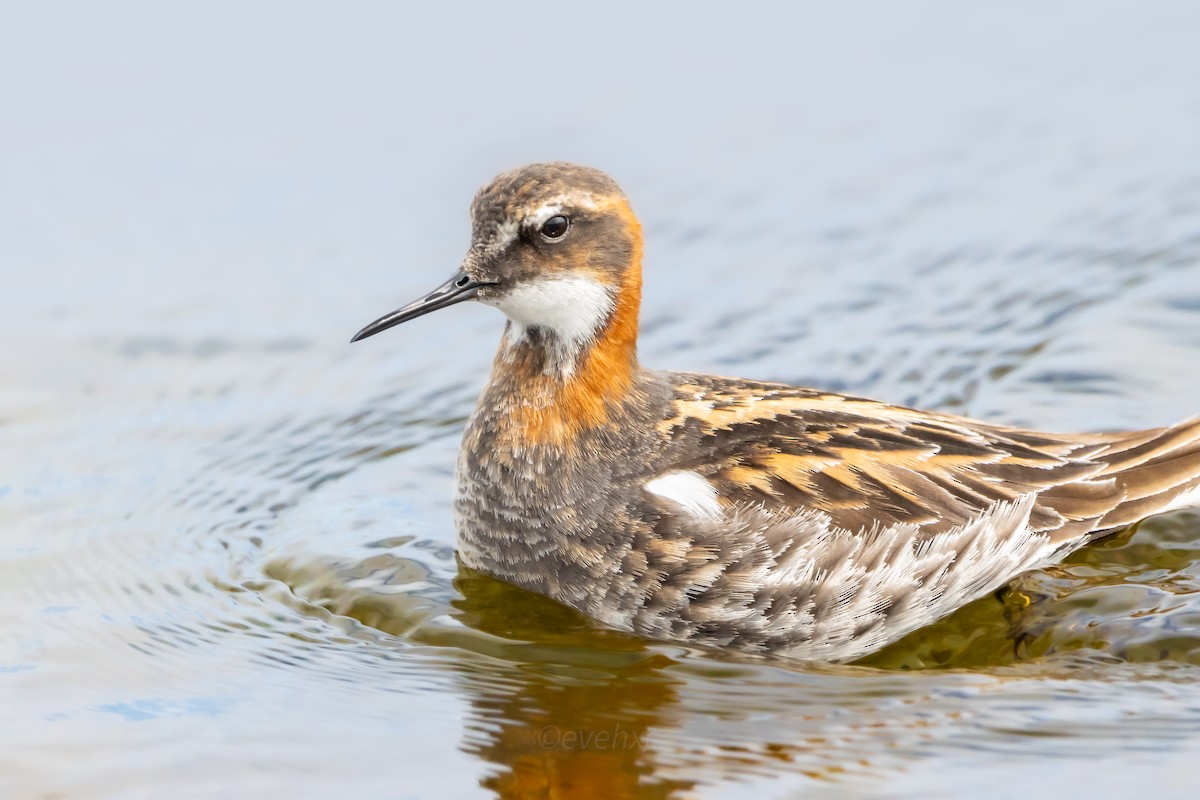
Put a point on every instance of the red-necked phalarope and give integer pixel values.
(731, 512)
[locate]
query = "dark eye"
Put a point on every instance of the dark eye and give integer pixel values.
(555, 227)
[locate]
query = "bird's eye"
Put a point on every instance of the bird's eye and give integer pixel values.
(555, 227)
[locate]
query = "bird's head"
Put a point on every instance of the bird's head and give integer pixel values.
(554, 246)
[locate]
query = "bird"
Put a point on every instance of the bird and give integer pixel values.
(737, 514)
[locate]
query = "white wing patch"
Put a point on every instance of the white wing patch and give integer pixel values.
(688, 490)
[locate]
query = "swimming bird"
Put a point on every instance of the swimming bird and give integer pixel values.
(737, 513)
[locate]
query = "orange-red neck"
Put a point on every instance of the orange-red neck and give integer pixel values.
(551, 406)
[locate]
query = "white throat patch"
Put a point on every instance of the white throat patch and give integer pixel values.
(572, 308)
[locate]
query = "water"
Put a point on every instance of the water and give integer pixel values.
(227, 557)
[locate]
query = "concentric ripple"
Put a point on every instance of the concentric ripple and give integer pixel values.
(228, 555)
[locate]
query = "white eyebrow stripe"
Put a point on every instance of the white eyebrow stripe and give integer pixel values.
(542, 213)
(534, 217)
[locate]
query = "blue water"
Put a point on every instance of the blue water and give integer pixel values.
(226, 551)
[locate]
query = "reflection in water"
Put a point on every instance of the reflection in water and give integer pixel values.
(576, 726)
(561, 708)
(227, 559)
(1133, 597)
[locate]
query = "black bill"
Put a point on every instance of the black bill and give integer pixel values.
(460, 287)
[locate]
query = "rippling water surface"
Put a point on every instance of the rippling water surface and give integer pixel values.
(226, 550)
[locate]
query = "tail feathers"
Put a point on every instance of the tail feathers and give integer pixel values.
(1188, 499)
(1155, 471)
(1141, 447)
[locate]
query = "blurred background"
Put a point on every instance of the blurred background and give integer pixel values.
(226, 552)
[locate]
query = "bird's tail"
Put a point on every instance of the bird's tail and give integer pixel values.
(1156, 470)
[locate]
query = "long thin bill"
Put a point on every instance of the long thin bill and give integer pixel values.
(460, 287)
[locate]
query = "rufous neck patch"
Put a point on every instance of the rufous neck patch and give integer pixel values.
(554, 406)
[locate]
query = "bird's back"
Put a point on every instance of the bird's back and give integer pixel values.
(777, 519)
(867, 464)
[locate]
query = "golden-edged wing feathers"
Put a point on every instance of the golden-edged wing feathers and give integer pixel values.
(870, 465)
